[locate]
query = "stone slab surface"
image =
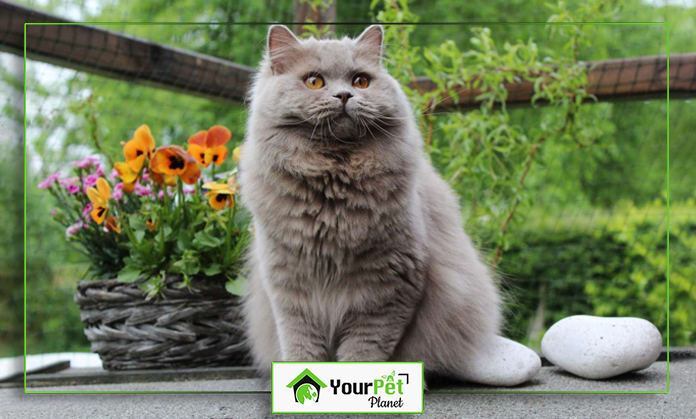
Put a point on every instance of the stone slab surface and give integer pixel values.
(679, 403)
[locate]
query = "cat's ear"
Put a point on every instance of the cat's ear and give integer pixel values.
(371, 41)
(281, 45)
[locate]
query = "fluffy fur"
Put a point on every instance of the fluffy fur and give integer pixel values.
(359, 254)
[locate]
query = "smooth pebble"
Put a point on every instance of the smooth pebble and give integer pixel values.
(602, 347)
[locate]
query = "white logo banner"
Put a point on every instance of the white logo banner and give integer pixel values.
(347, 387)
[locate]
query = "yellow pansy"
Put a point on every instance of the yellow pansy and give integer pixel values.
(99, 197)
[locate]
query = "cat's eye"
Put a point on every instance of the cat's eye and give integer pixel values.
(361, 81)
(314, 82)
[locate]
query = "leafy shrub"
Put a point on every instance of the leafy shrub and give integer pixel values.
(615, 265)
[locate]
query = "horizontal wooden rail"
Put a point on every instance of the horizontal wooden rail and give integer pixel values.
(639, 78)
(111, 54)
(107, 53)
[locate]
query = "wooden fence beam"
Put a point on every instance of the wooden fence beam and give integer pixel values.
(640, 78)
(111, 54)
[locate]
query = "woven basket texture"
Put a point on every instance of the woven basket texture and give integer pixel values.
(181, 328)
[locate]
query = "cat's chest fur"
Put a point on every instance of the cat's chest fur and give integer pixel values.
(326, 225)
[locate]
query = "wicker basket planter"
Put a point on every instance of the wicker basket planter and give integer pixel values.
(180, 329)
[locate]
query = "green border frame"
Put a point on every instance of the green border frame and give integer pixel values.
(273, 412)
(664, 24)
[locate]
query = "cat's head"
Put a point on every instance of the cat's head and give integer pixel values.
(329, 90)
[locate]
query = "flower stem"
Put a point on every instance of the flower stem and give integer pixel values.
(126, 223)
(180, 193)
(166, 201)
(161, 231)
(232, 214)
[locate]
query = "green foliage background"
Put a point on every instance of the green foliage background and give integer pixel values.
(592, 234)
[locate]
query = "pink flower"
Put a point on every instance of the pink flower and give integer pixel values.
(49, 181)
(72, 189)
(53, 212)
(113, 175)
(91, 180)
(189, 191)
(86, 210)
(73, 229)
(160, 194)
(141, 190)
(146, 176)
(68, 181)
(100, 172)
(86, 162)
(118, 191)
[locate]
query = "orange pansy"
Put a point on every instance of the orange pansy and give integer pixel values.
(220, 195)
(209, 146)
(161, 179)
(172, 160)
(112, 225)
(152, 225)
(140, 147)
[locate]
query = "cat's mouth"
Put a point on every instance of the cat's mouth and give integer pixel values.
(343, 127)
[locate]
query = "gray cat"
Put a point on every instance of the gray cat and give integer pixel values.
(359, 253)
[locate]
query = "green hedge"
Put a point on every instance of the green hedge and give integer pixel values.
(605, 265)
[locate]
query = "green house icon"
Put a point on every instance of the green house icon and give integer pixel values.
(306, 387)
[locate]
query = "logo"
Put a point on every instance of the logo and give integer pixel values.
(306, 387)
(347, 387)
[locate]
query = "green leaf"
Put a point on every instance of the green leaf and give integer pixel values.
(212, 270)
(129, 274)
(139, 234)
(205, 239)
(137, 223)
(236, 286)
(183, 241)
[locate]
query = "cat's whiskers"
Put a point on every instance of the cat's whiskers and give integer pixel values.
(385, 132)
(300, 122)
(311, 136)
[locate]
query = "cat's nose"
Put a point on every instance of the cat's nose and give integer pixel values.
(344, 96)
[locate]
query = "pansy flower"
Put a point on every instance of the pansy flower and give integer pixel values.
(237, 154)
(209, 146)
(220, 195)
(152, 225)
(162, 180)
(172, 160)
(140, 147)
(127, 174)
(112, 225)
(99, 197)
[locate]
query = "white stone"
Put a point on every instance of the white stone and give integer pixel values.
(504, 363)
(602, 347)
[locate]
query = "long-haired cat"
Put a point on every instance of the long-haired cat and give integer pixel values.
(359, 252)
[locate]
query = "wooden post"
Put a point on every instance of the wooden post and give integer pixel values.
(305, 11)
